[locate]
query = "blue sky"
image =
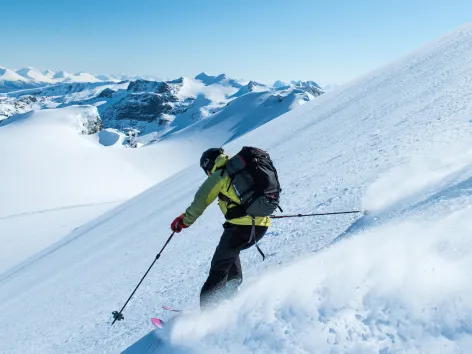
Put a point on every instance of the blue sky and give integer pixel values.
(330, 41)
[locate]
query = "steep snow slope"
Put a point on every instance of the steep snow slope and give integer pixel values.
(251, 110)
(55, 178)
(397, 140)
(185, 139)
(403, 283)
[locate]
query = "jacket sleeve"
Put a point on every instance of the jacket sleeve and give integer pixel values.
(204, 197)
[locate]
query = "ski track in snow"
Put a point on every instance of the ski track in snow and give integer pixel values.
(59, 208)
(396, 141)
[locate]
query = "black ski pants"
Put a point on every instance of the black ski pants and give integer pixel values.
(226, 265)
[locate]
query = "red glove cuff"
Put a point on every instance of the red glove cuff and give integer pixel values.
(178, 224)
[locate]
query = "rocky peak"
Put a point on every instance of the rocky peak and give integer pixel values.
(203, 76)
(280, 84)
(106, 93)
(251, 85)
(144, 86)
(90, 122)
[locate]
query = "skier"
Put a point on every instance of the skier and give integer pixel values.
(225, 274)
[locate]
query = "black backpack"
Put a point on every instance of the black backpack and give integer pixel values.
(254, 178)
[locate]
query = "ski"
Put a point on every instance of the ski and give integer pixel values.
(171, 309)
(157, 322)
(160, 323)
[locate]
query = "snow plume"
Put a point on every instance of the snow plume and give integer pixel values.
(403, 183)
(401, 288)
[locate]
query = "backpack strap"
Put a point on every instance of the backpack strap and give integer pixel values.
(253, 238)
(235, 212)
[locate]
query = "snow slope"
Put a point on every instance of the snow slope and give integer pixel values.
(396, 141)
(55, 178)
(247, 112)
(185, 139)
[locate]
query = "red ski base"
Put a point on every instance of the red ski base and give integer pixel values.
(157, 322)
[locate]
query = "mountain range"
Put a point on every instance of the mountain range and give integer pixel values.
(30, 77)
(151, 106)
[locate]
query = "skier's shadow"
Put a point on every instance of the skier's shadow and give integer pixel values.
(149, 344)
(152, 343)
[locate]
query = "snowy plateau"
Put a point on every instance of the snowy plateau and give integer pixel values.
(396, 142)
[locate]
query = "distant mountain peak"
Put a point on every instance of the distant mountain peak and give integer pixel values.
(221, 79)
(180, 80)
(61, 75)
(26, 69)
(10, 75)
(202, 76)
(305, 83)
(280, 84)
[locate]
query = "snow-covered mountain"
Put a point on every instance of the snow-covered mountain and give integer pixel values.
(11, 81)
(221, 79)
(398, 280)
(63, 76)
(30, 77)
(149, 106)
(51, 96)
(279, 84)
(34, 74)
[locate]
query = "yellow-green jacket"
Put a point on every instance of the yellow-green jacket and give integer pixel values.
(216, 184)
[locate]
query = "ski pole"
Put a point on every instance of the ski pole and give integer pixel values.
(117, 315)
(316, 214)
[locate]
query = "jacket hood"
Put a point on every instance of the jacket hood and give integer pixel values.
(220, 162)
